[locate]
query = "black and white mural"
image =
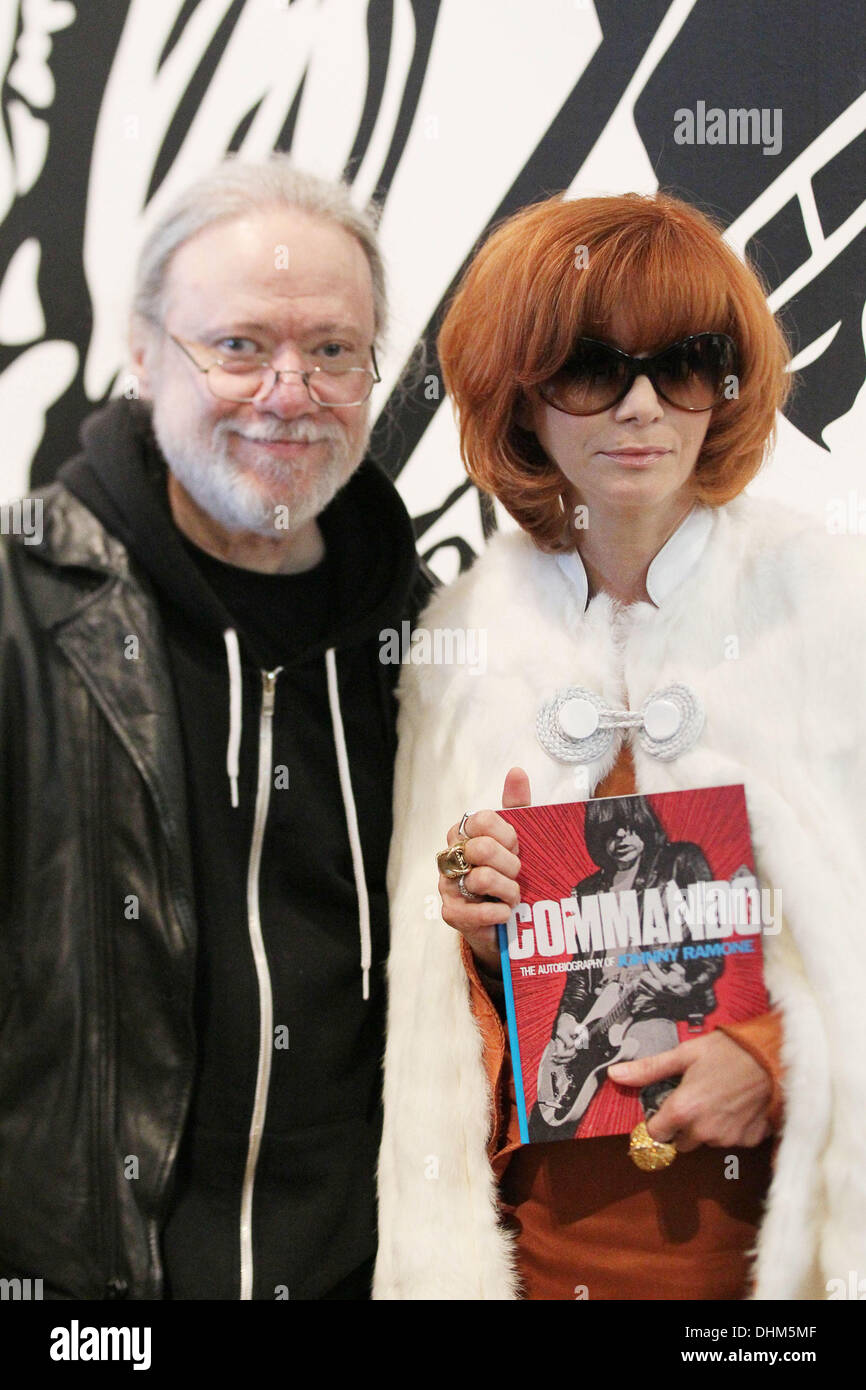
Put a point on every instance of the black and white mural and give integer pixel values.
(452, 113)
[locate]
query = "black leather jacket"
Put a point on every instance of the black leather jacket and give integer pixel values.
(96, 1022)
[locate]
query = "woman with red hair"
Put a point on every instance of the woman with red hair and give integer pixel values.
(616, 374)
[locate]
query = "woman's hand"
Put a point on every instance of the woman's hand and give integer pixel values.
(491, 848)
(722, 1100)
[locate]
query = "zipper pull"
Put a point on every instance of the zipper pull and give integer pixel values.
(269, 691)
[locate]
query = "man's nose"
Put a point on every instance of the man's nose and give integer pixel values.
(642, 402)
(288, 396)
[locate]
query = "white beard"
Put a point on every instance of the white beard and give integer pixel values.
(237, 501)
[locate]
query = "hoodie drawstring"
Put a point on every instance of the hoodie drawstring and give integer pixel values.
(233, 749)
(233, 655)
(351, 819)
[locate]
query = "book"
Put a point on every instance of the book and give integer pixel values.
(640, 925)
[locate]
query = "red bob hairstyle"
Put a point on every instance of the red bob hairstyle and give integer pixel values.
(565, 269)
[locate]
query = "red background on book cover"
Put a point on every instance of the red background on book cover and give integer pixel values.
(554, 858)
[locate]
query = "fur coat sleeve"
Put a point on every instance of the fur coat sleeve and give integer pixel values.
(767, 630)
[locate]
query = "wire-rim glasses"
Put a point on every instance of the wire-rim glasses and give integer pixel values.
(244, 379)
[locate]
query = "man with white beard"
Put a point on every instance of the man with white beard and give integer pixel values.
(199, 733)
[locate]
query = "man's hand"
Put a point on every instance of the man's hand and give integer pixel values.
(569, 1038)
(491, 847)
(722, 1099)
(670, 980)
(655, 982)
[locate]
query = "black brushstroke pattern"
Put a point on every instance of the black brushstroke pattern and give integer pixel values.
(756, 59)
(242, 127)
(465, 553)
(426, 14)
(192, 98)
(807, 62)
(184, 15)
(287, 133)
(380, 24)
(839, 186)
(7, 93)
(426, 520)
(826, 389)
(804, 59)
(54, 211)
(782, 246)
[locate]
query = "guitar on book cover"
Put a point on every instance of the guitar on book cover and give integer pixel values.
(639, 925)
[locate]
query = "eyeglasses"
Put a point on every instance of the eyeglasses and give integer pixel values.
(243, 378)
(691, 375)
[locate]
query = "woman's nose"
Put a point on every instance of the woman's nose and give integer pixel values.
(641, 402)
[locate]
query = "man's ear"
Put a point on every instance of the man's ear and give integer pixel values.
(143, 349)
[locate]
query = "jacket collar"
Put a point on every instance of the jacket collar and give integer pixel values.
(81, 591)
(77, 559)
(674, 561)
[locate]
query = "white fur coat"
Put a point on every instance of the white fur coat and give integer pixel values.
(767, 629)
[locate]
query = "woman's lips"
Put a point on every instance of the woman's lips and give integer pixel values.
(634, 458)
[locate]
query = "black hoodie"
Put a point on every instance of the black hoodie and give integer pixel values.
(280, 924)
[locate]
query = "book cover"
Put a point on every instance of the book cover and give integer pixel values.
(639, 926)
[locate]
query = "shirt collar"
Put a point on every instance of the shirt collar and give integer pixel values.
(669, 567)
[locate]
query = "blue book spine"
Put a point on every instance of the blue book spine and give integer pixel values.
(512, 1032)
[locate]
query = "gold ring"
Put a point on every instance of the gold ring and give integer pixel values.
(452, 862)
(649, 1154)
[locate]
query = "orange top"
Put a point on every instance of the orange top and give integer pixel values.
(588, 1223)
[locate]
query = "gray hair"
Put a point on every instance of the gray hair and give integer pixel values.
(232, 190)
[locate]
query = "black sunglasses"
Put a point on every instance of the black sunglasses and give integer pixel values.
(695, 374)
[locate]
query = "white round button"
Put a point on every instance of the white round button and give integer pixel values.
(578, 718)
(661, 719)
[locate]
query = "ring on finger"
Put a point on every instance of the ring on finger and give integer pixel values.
(452, 862)
(647, 1153)
(465, 892)
(461, 829)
